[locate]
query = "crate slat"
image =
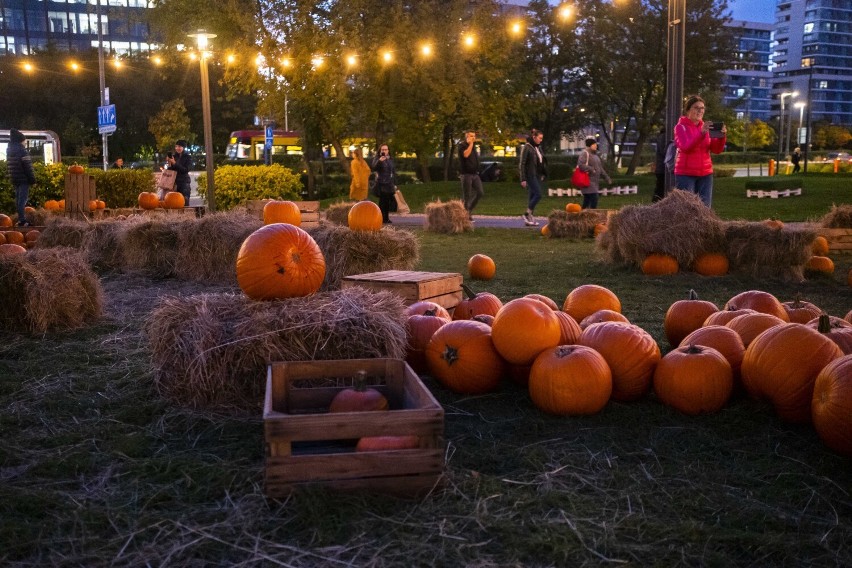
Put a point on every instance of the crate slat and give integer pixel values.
(359, 464)
(406, 485)
(412, 286)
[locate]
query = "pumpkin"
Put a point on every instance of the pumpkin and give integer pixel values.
(359, 398)
(365, 216)
(475, 303)
(836, 329)
(544, 299)
(28, 210)
(659, 265)
(421, 328)
(848, 316)
(573, 208)
(62, 205)
(93, 205)
(781, 365)
(281, 212)
(174, 200)
(831, 406)
(602, 315)
(585, 300)
(774, 223)
(51, 205)
(685, 316)
(76, 169)
(481, 267)
(387, 443)
(631, 353)
(724, 340)
(819, 247)
(723, 316)
(749, 326)
(569, 329)
(522, 329)
(11, 249)
(821, 264)
(101, 204)
(484, 318)
(5, 220)
(148, 200)
(32, 236)
(279, 261)
(758, 301)
(461, 356)
(600, 228)
(711, 264)
(426, 307)
(15, 237)
(570, 380)
(545, 230)
(800, 311)
(694, 379)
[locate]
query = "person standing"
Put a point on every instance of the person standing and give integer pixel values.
(693, 167)
(118, 164)
(385, 181)
(180, 162)
(469, 172)
(20, 168)
(359, 171)
(533, 171)
(796, 158)
(590, 162)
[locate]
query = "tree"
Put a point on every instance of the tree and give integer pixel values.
(752, 135)
(829, 136)
(170, 123)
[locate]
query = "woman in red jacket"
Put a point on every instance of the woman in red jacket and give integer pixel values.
(693, 169)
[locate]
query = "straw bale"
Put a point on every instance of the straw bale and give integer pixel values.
(151, 246)
(572, 225)
(840, 217)
(103, 243)
(211, 350)
(448, 218)
(63, 232)
(338, 213)
(48, 289)
(679, 225)
(208, 247)
(360, 252)
(764, 252)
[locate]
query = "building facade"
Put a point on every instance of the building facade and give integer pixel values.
(747, 87)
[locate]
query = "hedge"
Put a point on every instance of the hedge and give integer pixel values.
(236, 185)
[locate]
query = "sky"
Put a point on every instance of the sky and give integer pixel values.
(753, 10)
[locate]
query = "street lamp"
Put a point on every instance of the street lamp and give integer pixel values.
(781, 128)
(675, 48)
(201, 38)
(801, 106)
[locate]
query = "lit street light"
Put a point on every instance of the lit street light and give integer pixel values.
(781, 128)
(801, 106)
(202, 37)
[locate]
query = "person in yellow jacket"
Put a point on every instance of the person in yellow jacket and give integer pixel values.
(360, 172)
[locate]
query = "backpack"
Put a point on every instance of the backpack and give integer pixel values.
(671, 156)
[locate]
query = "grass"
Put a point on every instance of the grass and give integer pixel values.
(96, 470)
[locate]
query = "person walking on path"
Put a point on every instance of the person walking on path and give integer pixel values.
(796, 158)
(360, 173)
(469, 171)
(693, 167)
(533, 171)
(590, 162)
(20, 168)
(385, 181)
(182, 164)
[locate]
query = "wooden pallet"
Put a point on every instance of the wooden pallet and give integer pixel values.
(440, 287)
(79, 191)
(616, 190)
(773, 194)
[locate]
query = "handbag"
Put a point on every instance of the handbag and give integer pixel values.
(401, 205)
(579, 178)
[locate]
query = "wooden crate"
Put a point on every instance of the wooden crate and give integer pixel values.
(309, 211)
(839, 240)
(79, 191)
(443, 288)
(307, 446)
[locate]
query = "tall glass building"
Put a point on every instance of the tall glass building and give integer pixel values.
(748, 82)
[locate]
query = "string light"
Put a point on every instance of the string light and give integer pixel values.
(469, 40)
(426, 50)
(387, 56)
(352, 60)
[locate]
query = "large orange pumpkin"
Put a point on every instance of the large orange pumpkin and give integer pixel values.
(659, 265)
(475, 303)
(481, 267)
(602, 315)
(421, 328)
(758, 301)
(749, 326)
(801, 311)
(570, 380)
(462, 357)
(569, 329)
(631, 353)
(5, 220)
(148, 200)
(522, 329)
(711, 264)
(723, 316)
(724, 340)
(781, 365)
(281, 212)
(585, 300)
(836, 329)
(279, 261)
(694, 379)
(174, 200)
(10, 249)
(365, 216)
(685, 316)
(831, 406)
(547, 301)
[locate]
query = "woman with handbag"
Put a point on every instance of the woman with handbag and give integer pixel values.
(590, 163)
(360, 171)
(533, 170)
(385, 181)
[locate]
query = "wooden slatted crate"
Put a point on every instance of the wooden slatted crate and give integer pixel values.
(308, 446)
(79, 191)
(443, 288)
(839, 240)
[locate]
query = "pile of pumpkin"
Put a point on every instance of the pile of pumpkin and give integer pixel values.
(148, 200)
(574, 359)
(15, 242)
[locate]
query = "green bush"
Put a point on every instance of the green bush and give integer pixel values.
(724, 172)
(236, 185)
(50, 184)
(121, 188)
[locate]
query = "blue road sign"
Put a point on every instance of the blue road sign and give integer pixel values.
(269, 135)
(106, 119)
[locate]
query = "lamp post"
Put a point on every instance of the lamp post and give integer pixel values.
(674, 71)
(202, 38)
(102, 80)
(781, 128)
(789, 127)
(801, 106)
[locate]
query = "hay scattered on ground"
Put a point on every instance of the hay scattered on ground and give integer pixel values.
(360, 252)
(63, 232)
(208, 247)
(338, 213)
(211, 350)
(48, 289)
(764, 252)
(679, 225)
(103, 243)
(447, 218)
(151, 247)
(840, 217)
(572, 225)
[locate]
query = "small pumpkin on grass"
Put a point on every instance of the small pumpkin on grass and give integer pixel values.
(694, 379)
(570, 380)
(281, 212)
(685, 316)
(359, 398)
(475, 303)
(461, 356)
(831, 406)
(481, 267)
(585, 300)
(724, 340)
(545, 230)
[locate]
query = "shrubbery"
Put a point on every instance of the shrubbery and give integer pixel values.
(121, 188)
(236, 185)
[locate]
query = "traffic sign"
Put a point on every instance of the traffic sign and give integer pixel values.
(269, 135)
(106, 119)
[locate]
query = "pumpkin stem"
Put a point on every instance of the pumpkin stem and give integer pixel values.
(693, 349)
(450, 355)
(564, 350)
(693, 295)
(431, 312)
(824, 323)
(361, 381)
(468, 292)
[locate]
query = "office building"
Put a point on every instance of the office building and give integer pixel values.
(747, 87)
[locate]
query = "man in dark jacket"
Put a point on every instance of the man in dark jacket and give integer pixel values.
(533, 170)
(21, 173)
(469, 172)
(182, 164)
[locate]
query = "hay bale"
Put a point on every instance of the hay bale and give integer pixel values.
(63, 232)
(211, 350)
(572, 225)
(359, 252)
(103, 243)
(208, 247)
(338, 213)
(679, 225)
(151, 246)
(447, 218)
(840, 217)
(764, 252)
(48, 289)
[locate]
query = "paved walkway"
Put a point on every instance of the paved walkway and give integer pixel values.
(419, 219)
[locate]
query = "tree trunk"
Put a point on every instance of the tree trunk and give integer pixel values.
(311, 185)
(637, 153)
(338, 149)
(423, 162)
(447, 147)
